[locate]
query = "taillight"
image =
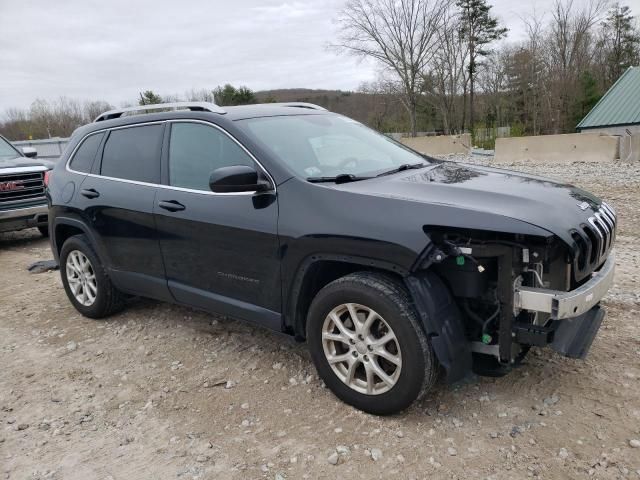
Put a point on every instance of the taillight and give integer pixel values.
(47, 177)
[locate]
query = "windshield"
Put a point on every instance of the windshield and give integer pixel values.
(7, 151)
(328, 145)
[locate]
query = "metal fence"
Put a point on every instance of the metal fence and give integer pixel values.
(50, 148)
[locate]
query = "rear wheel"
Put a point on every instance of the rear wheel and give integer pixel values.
(367, 344)
(44, 231)
(85, 280)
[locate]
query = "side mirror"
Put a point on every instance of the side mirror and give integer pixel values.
(236, 178)
(29, 152)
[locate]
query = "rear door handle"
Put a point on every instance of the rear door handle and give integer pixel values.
(171, 205)
(89, 193)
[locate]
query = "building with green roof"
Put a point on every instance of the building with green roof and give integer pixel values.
(618, 111)
(618, 114)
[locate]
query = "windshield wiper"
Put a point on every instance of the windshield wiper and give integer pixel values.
(404, 166)
(342, 178)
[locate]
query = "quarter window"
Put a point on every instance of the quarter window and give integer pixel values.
(133, 154)
(86, 153)
(196, 150)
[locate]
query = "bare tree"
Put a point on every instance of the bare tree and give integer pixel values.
(202, 95)
(569, 51)
(446, 82)
(93, 109)
(383, 94)
(534, 28)
(400, 34)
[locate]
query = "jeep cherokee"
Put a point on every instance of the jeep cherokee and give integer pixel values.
(391, 265)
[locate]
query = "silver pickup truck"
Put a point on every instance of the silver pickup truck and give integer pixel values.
(22, 189)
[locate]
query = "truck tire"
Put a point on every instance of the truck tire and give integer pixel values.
(367, 344)
(44, 231)
(86, 281)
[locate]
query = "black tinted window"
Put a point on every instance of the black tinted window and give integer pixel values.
(133, 154)
(196, 150)
(85, 154)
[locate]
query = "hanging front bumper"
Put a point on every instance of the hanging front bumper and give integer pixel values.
(561, 305)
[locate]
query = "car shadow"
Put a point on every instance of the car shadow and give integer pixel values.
(21, 238)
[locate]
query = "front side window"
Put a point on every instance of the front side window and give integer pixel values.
(7, 151)
(328, 145)
(133, 153)
(85, 154)
(196, 150)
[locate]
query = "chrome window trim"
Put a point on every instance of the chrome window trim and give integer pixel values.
(73, 153)
(224, 132)
(159, 185)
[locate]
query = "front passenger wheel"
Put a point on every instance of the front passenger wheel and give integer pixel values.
(85, 280)
(367, 343)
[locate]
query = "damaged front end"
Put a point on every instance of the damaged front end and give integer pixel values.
(511, 292)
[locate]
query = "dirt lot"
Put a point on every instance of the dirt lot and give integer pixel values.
(160, 391)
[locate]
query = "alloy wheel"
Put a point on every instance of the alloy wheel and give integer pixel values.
(361, 349)
(81, 278)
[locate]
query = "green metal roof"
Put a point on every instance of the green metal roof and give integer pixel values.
(619, 106)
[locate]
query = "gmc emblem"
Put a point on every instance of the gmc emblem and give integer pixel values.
(11, 185)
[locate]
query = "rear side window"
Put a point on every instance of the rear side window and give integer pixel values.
(196, 150)
(85, 154)
(133, 154)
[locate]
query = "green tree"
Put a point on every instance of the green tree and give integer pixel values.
(620, 41)
(587, 98)
(230, 95)
(479, 29)
(148, 97)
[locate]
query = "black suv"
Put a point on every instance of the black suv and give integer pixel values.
(391, 265)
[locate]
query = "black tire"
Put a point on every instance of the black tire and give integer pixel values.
(391, 301)
(108, 300)
(44, 231)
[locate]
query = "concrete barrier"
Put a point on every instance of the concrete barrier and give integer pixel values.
(441, 145)
(573, 147)
(630, 148)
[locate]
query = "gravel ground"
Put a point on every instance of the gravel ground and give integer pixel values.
(161, 391)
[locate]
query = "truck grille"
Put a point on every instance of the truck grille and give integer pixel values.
(21, 186)
(595, 239)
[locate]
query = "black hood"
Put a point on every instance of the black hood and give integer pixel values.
(549, 205)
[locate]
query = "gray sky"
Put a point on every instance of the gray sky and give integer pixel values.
(112, 49)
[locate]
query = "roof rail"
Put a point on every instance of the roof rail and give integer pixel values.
(310, 106)
(193, 106)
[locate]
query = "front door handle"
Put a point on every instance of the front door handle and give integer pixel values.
(171, 205)
(89, 193)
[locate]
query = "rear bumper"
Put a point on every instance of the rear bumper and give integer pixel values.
(562, 305)
(19, 218)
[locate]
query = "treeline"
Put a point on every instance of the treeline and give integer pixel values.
(46, 119)
(59, 118)
(448, 63)
(549, 82)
